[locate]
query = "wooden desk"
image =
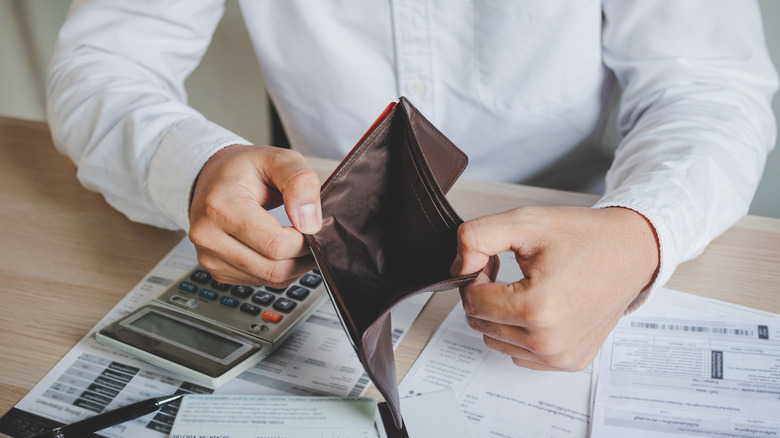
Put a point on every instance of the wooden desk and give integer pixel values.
(67, 257)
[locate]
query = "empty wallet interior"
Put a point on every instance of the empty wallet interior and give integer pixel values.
(388, 231)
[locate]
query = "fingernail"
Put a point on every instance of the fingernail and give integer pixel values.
(309, 218)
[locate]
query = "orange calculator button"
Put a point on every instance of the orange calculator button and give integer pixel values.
(271, 316)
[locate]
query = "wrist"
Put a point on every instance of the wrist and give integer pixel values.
(211, 161)
(642, 239)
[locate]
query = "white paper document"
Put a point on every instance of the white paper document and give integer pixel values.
(433, 415)
(666, 376)
(499, 398)
(683, 365)
(317, 359)
(253, 416)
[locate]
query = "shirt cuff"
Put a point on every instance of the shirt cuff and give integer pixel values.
(178, 161)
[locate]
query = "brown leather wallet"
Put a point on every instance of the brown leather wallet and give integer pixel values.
(388, 232)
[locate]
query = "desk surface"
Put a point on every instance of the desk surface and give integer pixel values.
(68, 257)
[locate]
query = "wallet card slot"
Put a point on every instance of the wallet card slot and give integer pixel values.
(431, 185)
(421, 238)
(444, 160)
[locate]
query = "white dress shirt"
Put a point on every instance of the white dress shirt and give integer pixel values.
(522, 86)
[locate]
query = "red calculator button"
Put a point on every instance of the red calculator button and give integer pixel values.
(271, 316)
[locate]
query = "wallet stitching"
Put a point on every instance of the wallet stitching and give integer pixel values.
(446, 141)
(422, 208)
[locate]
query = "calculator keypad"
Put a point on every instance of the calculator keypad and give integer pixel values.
(200, 276)
(297, 293)
(284, 305)
(241, 291)
(263, 298)
(253, 310)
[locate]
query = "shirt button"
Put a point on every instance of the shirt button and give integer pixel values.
(419, 87)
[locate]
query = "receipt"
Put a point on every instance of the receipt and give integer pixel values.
(246, 416)
(667, 376)
(317, 359)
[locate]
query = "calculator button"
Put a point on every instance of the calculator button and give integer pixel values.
(298, 293)
(208, 294)
(241, 291)
(200, 276)
(263, 298)
(228, 301)
(180, 300)
(219, 286)
(277, 290)
(284, 305)
(311, 280)
(188, 287)
(250, 308)
(316, 271)
(271, 316)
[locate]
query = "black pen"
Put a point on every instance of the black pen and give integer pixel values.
(108, 419)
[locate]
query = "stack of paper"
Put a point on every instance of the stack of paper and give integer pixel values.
(690, 367)
(255, 416)
(683, 366)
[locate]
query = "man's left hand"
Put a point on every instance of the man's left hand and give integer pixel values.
(583, 267)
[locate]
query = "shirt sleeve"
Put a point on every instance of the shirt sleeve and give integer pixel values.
(695, 114)
(117, 105)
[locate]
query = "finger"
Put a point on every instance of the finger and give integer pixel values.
(557, 363)
(561, 354)
(216, 248)
(486, 236)
(540, 344)
(492, 267)
(224, 272)
(496, 302)
(512, 334)
(533, 360)
(300, 188)
(520, 356)
(250, 270)
(261, 231)
(533, 365)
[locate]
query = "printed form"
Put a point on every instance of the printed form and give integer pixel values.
(499, 398)
(255, 416)
(318, 359)
(432, 415)
(682, 366)
(714, 373)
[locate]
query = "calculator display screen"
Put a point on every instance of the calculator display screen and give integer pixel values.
(186, 334)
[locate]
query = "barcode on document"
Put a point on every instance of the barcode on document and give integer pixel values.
(360, 386)
(694, 328)
(363, 381)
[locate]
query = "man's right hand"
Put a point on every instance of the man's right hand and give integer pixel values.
(237, 240)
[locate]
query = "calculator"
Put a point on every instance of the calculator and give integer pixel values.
(209, 331)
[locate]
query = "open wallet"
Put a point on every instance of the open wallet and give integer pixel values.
(388, 232)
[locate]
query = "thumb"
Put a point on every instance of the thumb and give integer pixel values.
(481, 240)
(300, 189)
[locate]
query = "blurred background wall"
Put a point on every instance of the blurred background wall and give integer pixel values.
(227, 87)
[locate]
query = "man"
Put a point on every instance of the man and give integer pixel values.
(523, 87)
